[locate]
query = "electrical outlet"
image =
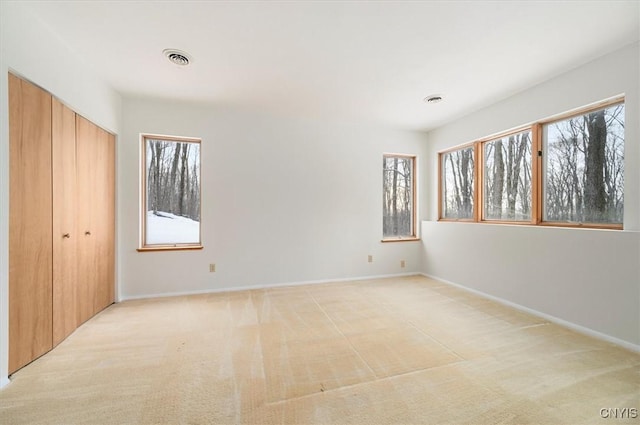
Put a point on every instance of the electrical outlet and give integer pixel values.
(402, 263)
(212, 268)
(370, 258)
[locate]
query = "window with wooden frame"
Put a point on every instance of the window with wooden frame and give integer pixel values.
(583, 168)
(507, 173)
(398, 198)
(457, 191)
(564, 171)
(170, 193)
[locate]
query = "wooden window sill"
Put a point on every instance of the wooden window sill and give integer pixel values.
(407, 239)
(170, 248)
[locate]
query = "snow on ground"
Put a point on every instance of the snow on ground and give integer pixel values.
(169, 229)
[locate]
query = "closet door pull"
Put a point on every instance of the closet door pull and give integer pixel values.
(66, 236)
(87, 233)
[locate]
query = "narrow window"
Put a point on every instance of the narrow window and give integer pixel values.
(398, 194)
(171, 193)
(457, 187)
(583, 168)
(507, 178)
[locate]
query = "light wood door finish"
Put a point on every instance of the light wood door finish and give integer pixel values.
(65, 232)
(96, 218)
(86, 148)
(105, 226)
(62, 221)
(30, 217)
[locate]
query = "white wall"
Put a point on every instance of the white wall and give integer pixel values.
(590, 278)
(30, 50)
(284, 200)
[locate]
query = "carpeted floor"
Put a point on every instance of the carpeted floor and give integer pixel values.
(390, 351)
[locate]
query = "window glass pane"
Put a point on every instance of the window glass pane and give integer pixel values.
(584, 167)
(457, 184)
(173, 192)
(398, 196)
(507, 178)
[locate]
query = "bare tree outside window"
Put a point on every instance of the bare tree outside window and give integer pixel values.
(507, 178)
(584, 167)
(398, 196)
(457, 190)
(172, 191)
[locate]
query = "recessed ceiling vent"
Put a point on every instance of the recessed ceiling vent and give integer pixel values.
(435, 98)
(177, 56)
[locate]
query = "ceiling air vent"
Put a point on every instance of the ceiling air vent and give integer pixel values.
(177, 56)
(434, 98)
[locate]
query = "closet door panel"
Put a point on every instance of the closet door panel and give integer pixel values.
(30, 216)
(65, 233)
(88, 194)
(105, 220)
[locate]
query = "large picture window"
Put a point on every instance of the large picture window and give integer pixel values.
(584, 167)
(564, 171)
(398, 192)
(171, 193)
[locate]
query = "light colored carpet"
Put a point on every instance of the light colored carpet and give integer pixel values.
(390, 351)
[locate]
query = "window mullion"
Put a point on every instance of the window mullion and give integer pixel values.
(536, 174)
(477, 190)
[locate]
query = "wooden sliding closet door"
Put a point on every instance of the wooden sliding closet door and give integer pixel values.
(96, 218)
(86, 134)
(104, 224)
(30, 216)
(61, 221)
(65, 231)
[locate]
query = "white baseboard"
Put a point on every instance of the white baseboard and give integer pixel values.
(4, 381)
(265, 286)
(581, 329)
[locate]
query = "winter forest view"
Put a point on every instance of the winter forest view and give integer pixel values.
(507, 178)
(458, 183)
(582, 180)
(584, 168)
(173, 192)
(397, 193)
(583, 173)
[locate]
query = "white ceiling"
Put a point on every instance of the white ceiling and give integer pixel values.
(341, 59)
